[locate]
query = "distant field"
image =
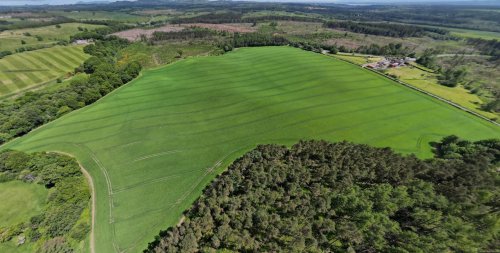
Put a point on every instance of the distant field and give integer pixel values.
(23, 71)
(153, 56)
(474, 33)
(359, 59)
(428, 82)
(153, 145)
(102, 15)
(11, 39)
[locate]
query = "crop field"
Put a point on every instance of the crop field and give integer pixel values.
(11, 39)
(27, 70)
(152, 145)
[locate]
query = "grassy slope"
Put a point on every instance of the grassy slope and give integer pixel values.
(428, 82)
(20, 201)
(153, 145)
(22, 71)
(11, 39)
(153, 56)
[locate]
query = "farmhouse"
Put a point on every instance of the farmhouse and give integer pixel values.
(81, 42)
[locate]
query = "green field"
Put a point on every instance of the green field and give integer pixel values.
(11, 39)
(23, 71)
(152, 145)
(20, 201)
(429, 82)
(475, 34)
(101, 15)
(421, 77)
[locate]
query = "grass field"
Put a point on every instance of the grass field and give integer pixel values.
(153, 56)
(20, 201)
(467, 33)
(152, 145)
(11, 39)
(358, 58)
(429, 82)
(23, 71)
(426, 81)
(102, 15)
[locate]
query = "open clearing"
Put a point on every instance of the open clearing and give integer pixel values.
(152, 145)
(23, 71)
(20, 201)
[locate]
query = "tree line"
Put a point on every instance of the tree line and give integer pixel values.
(60, 227)
(487, 47)
(384, 29)
(233, 17)
(186, 34)
(36, 108)
(319, 196)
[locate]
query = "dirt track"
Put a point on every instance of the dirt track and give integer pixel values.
(93, 200)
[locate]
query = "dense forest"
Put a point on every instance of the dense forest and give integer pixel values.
(384, 29)
(342, 197)
(186, 34)
(61, 226)
(232, 17)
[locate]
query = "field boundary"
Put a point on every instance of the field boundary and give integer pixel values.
(90, 181)
(424, 92)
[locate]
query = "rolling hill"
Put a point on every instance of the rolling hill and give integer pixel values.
(152, 145)
(27, 70)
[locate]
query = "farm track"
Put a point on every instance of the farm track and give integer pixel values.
(93, 201)
(153, 144)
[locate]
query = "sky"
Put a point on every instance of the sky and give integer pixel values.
(55, 2)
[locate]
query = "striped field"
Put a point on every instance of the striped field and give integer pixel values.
(23, 71)
(152, 145)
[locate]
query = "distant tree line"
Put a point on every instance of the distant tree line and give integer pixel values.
(487, 47)
(60, 227)
(342, 197)
(99, 33)
(384, 29)
(34, 24)
(233, 17)
(186, 34)
(34, 109)
(393, 49)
